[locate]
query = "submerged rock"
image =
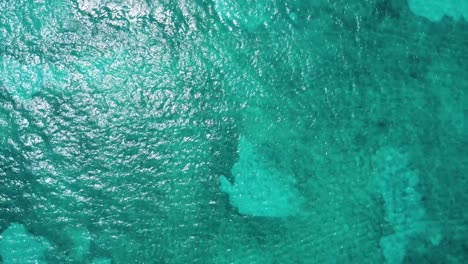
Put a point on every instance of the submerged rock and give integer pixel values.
(81, 239)
(404, 210)
(435, 10)
(19, 246)
(259, 188)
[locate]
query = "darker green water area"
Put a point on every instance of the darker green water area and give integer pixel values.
(225, 131)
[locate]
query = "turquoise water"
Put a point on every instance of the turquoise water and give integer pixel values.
(222, 131)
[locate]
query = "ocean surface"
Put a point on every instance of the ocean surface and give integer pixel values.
(233, 131)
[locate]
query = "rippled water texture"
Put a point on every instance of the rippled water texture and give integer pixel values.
(233, 131)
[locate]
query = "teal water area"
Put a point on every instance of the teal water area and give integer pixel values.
(222, 131)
